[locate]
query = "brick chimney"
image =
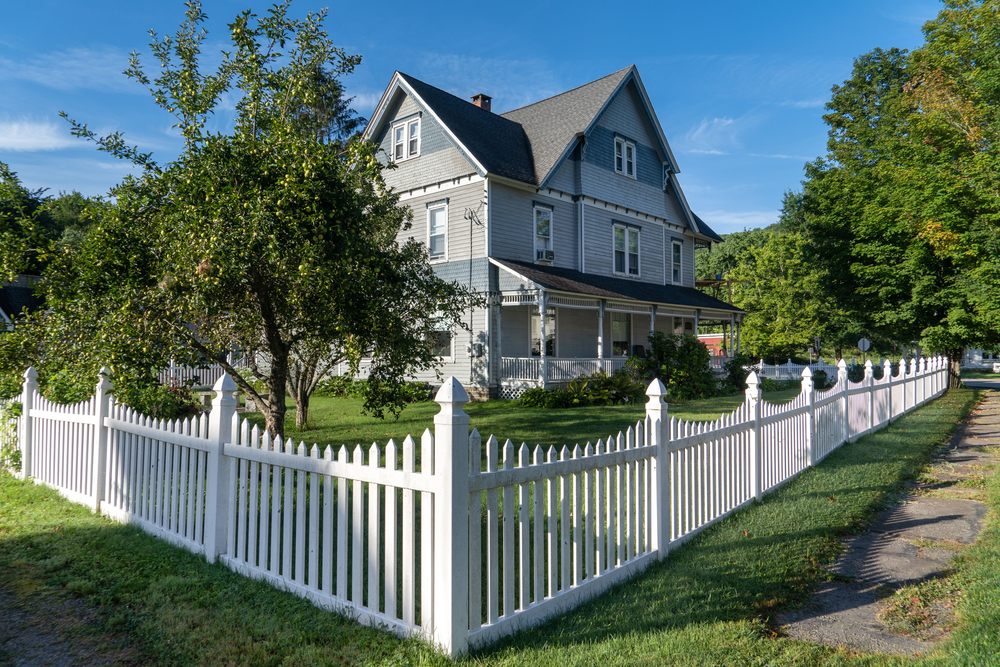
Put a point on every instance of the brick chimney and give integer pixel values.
(482, 101)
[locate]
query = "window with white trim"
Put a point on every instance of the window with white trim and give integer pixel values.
(675, 262)
(437, 231)
(626, 250)
(621, 334)
(624, 157)
(441, 343)
(543, 233)
(406, 140)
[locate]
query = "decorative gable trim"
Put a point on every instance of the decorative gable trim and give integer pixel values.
(398, 83)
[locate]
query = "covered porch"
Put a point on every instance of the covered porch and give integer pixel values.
(556, 324)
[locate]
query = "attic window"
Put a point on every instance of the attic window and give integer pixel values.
(624, 157)
(406, 140)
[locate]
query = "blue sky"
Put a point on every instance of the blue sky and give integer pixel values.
(739, 87)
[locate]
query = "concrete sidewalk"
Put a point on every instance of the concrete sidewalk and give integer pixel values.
(909, 542)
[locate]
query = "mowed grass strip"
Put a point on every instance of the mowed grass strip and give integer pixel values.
(709, 603)
(339, 421)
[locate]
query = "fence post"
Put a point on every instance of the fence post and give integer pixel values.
(913, 381)
(451, 523)
(842, 381)
(756, 447)
(809, 389)
(887, 375)
(220, 427)
(870, 384)
(24, 440)
(923, 379)
(103, 398)
(658, 424)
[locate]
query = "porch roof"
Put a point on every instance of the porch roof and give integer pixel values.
(607, 287)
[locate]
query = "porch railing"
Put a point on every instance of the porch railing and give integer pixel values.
(558, 370)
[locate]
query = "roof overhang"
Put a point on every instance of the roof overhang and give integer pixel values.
(398, 84)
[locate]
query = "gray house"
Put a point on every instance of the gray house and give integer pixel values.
(568, 212)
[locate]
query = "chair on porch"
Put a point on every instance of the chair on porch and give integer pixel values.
(639, 351)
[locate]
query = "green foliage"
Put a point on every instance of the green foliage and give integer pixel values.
(682, 364)
(161, 401)
(66, 387)
(275, 238)
(10, 455)
(597, 389)
(820, 380)
(736, 372)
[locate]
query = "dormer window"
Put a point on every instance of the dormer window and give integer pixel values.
(406, 140)
(624, 157)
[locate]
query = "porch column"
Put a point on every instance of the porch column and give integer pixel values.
(498, 310)
(697, 318)
(600, 330)
(542, 307)
(652, 321)
(739, 348)
(725, 341)
(732, 335)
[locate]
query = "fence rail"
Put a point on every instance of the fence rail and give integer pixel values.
(446, 536)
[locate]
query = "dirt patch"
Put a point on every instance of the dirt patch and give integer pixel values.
(55, 631)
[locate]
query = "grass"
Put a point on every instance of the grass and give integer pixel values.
(709, 603)
(339, 421)
(979, 375)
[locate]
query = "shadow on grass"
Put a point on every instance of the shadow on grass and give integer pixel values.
(767, 557)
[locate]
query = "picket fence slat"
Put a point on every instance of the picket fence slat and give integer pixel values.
(547, 527)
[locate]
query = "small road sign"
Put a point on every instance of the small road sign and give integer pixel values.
(864, 344)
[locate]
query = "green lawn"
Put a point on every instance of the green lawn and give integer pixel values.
(968, 374)
(338, 421)
(709, 603)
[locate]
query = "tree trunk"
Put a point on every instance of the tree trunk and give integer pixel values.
(275, 415)
(955, 368)
(302, 409)
(838, 353)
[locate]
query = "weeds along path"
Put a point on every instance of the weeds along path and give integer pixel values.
(888, 595)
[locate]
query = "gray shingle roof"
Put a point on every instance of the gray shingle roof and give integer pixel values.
(606, 287)
(19, 295)
(706, 230)
(500, 145)
(552, 123)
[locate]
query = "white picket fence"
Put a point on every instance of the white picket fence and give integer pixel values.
(443, 537)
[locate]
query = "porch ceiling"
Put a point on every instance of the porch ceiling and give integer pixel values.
(606, 287)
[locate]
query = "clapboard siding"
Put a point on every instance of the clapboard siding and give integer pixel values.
(512, 225)
(460, 201)
(566, 179)
(576, 331)
(516, 328)
(439, 159)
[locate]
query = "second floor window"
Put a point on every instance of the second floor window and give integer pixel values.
(627, 251)
(437, 231)
(624, 157)
(406, 140)
(676, 262)
(543, 233)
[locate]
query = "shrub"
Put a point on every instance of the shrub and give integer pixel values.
(737, 369)
(342, 386)
(67, 387)
(855, 372)
(10, 455)
(173, 401)
(681, 363)
(820, 380)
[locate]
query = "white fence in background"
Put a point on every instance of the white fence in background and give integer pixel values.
(176, 374)
(442, 536)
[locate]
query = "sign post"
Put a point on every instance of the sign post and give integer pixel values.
(864, 345)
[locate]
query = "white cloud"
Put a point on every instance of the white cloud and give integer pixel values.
(88, 68)
(706, 152)
(804, 104)
(28, 135)
(365, 101)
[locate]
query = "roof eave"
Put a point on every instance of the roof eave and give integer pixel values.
(398, 82)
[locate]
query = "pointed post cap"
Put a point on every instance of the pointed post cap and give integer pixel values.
(869, 364)
(225, 383)
(31, 375)
(842, 363)
(656, 391)
(105, 371)
(452, 391)
(807, 373)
